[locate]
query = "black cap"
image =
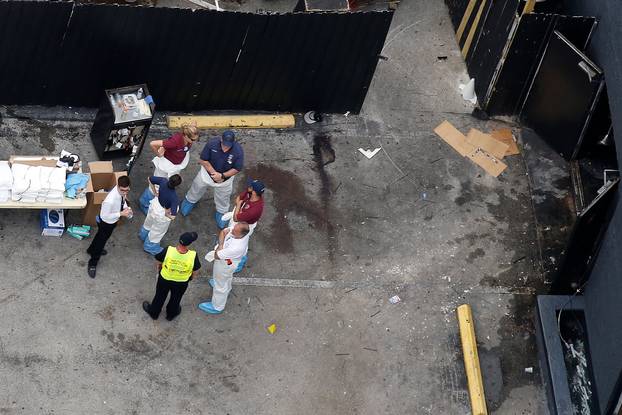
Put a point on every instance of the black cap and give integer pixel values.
(187, 238)
(228, 138)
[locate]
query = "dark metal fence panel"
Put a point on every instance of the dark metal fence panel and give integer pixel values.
(30, 38)
(488, 49)
(191, 60)
(532, 36)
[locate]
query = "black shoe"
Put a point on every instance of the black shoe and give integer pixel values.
(104, 252)
(178, 313)
(147, 308)
(92, 271)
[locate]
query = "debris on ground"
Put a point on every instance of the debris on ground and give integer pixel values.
(487, 143)
(271, 328)
(485, 150)
(505, 135)
(395, 299)
(468, 91)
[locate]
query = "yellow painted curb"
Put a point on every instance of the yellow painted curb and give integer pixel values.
(471, 360)
(232, 121)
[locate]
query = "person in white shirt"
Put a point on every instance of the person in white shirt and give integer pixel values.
(114, 206)
(232, 246)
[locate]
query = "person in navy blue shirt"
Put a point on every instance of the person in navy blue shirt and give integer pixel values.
(162, 211)
(221, 159)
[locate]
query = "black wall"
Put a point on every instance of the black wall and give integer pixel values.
(62, 53)
(603, 293)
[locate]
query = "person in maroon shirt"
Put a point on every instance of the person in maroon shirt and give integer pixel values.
(171, 158)
(176, 146)
(248, 208)
(249, 205)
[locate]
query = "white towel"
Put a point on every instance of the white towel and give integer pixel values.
(34, 177)
(37, 184)
(57, 179)
(20, 181)
(6, 176)
(44, 179)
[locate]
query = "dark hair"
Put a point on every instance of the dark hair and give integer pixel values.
(123, 181)
(174, 181)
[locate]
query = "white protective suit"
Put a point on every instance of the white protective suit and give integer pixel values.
(223, 270)
(164, 167)
(222, 191)
(156, 222)
(223, 279)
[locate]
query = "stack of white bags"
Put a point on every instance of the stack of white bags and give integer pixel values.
(52, 182)
(38, 183)
(6, 181)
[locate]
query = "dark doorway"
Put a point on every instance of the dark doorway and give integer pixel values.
(563, 96)
(585, 241)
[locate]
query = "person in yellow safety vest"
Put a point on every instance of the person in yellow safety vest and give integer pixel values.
(176, 265)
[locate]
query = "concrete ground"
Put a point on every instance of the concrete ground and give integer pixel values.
(340, 235)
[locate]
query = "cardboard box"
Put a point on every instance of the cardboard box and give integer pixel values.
(34, 160)
(101, 181)
(52, 222)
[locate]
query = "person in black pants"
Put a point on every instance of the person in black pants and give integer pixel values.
(113, 207)
(177, 266)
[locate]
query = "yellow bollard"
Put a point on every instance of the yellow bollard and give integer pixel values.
(471, 360)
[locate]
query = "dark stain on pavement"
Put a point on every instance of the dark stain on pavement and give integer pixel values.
(478, 253)
(28, 360)
(289, 196)
(517, 348)
(472, 238)
(46, 131)
(133, 344)
(227, 382)
(451, 374)
(324, 154)
(106, 313)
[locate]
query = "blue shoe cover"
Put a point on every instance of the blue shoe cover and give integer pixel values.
(186, 207)
(145, 200)
(208, 308)
(151, 247)
(241, 264)
(142, 234)
(222, 224)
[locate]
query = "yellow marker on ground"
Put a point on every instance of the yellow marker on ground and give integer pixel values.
(232, 121)
(471, 360)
